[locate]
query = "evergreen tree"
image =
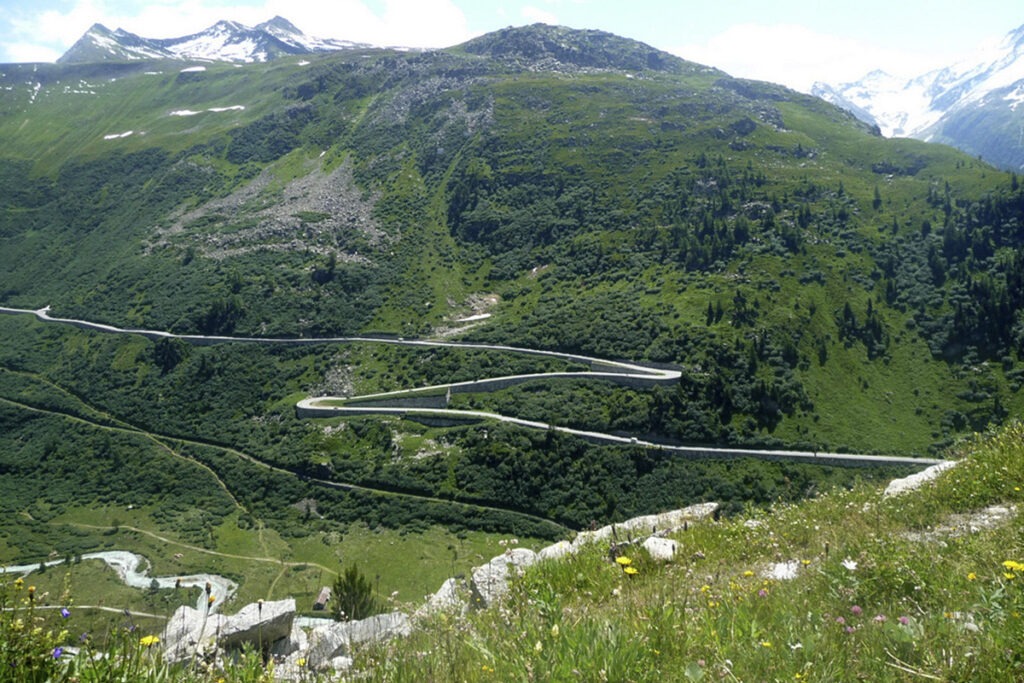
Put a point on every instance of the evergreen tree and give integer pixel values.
(353, 596)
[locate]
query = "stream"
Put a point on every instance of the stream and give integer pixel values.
(134, 571)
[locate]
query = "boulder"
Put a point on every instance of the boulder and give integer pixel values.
(335, 640)
(898, 487)
(190, 633)
(296, 641)
(258, 624)
(659, 548)
(448, 598)
(490, 582)
(556, 551)
(646, 525)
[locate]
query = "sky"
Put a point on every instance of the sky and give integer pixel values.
(793, 42)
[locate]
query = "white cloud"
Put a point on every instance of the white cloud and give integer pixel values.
(29, 52)
(536, 15)
(796, 56)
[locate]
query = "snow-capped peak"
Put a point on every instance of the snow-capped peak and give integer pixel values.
(912, 107)
(226, 40)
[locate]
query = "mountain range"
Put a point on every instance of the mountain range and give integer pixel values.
(225, 41)
(974, 105)
(811, 284)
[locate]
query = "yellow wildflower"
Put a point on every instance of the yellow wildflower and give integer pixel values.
(748, 573)
(623, 560)
(148, 641)
(971, 576)
(632, 571)
(766, 643)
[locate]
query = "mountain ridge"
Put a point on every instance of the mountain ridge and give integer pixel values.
(225, 40)
(971, 104)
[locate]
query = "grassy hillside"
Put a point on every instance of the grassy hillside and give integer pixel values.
(923, 585)
(820, 288)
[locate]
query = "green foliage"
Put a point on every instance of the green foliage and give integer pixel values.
(353, 597)
(875, 588)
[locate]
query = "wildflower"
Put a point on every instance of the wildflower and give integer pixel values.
(148, 641)
(904, 621)
(57, 652)
(19, 582)
(748, 573)
(856, 610)
(766, 643)
(301, 662)
(850, 629)
(850, 564)
(971, 576)
(880, 618)
(632, 571)
(538, 647)
(554, 631)
(64, 612)
(210, 600)
(623, 561)
(1009, 576)
(805, 562)
(762, 593)
(840, 621)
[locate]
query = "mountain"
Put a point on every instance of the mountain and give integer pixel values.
(972, 105)
(816, 286)
(225, 41)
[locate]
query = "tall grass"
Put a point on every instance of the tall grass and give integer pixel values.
(882, 589)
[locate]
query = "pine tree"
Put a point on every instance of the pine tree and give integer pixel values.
(353, 596)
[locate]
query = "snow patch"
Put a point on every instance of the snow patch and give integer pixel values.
(1016, 98)
(470, 318)
(304, 63)
(189, 112)
(115, 136)
(193, 69)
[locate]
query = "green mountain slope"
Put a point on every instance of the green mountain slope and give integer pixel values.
(819, 286)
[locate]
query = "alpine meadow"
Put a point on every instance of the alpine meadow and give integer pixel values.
(625, 253)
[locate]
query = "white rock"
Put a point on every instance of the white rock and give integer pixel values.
(556, 551)
(448, 598)
(297, 640)
(329, 642)
(490, 582)
(258, 624)
(915, 481)
(190, 633)
(646, 525)
(662, 549)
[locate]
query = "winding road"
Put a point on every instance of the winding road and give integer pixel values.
(390, 403)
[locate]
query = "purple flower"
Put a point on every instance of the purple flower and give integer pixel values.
(64, 612)
(880, 618)
(904, 620)
(762, 593)
(840, 621)
(850, 629)
(856, 610)
(57, 652)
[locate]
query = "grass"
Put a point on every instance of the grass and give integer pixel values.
(875, 597)
(882, 589)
